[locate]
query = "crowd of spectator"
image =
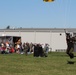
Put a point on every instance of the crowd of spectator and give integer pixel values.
(25, 48)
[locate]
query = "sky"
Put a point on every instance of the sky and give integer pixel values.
(37, 14)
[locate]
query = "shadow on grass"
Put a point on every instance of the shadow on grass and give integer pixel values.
(71, 62)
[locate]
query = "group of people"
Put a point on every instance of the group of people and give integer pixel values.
(37, 49)
(6, 48)
(25, 48)
(40, 51)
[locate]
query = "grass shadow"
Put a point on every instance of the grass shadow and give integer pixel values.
(70, 62)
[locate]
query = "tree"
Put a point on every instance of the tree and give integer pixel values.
(8, 27)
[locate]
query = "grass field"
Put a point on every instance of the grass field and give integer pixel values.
(54, 64)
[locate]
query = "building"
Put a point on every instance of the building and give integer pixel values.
(55, 37)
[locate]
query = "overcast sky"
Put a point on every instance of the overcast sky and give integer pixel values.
(38, 14)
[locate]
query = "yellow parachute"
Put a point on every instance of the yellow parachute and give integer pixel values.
(48, 0)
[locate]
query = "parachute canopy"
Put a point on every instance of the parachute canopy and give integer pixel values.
(48, 0)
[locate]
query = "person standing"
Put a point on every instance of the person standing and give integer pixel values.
(25, 46)
(46, 50)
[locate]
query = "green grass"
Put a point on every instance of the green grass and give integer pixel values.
(54, 64)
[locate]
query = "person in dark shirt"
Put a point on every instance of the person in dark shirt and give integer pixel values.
(70, 47)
